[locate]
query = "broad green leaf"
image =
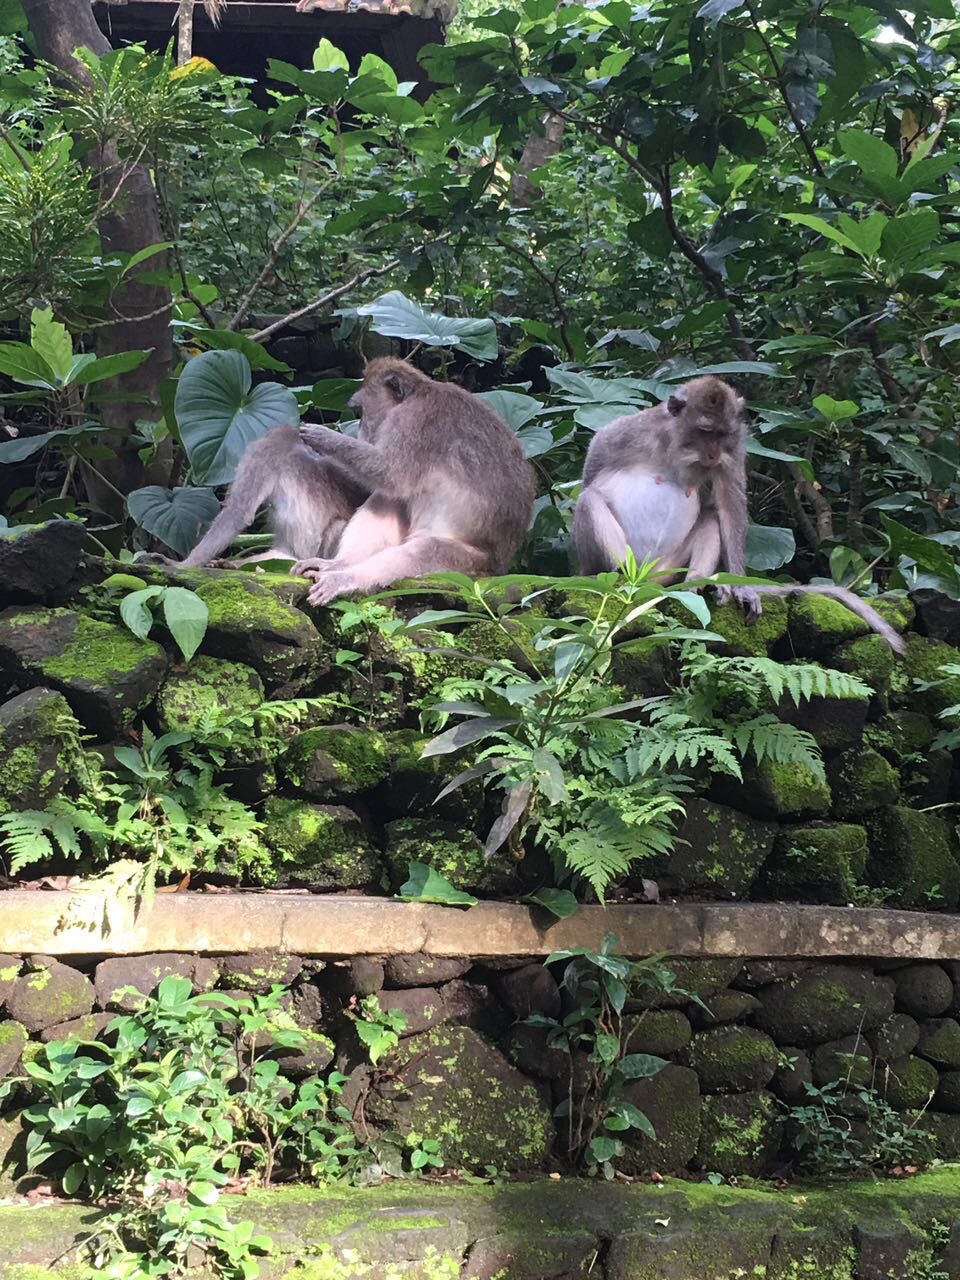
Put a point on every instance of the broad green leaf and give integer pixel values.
(219, 415)
(426, 885)
(714, 10)
(906, 237)
(923, 551)
(874, 157)
(541, 88)
(51, 342)
(559, 902)
(26, 446)
(513, 407)
(365, 213)
(142, 255)
(73, 1178)
(824, 227)
(768, 547)
(186, 616)
(20, 362)
(332, 393)
(397, 316)
(371, 64)
(327, 57)
(135, 612)
(178, 517)
(923, 175)
(97, 369)
(637, 1065)
(761, 451)
(228, 340)
(602, 1149)
(836, 410)
(866, 233)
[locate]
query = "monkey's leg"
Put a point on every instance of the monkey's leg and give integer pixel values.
(700, 551)
(598, 537)
(419, 555)
(378, 524)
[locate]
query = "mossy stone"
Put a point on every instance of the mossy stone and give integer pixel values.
(940, 1041)
(944, 1130)
(896, 1037)
(738, 1133)
(825, 1002)
(104, 671)
(896, 609)
(34, 765)
(794, 1073)
(912, 853)
(731, 1059)
(861, 780)
(948, 1092)
(456, 853)
(207, 689)
(744, 638)
(671, 1102)
(926, 781)
(909, 1083)
(817, 624)
(717, 852)
(817, 863)
(692, 978)
(846, 1059)
(870, 658)
(450, 1085)
(835, 722)
(414, 781)
(13, 1041)
(336, 760)
(922, 663)
(900, 734)
(321, 847)
(661, 1032)
(724, 1007)
(923, 990)
(48, 993)
(772, 790)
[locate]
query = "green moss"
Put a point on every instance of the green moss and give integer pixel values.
(738, 1133)
(861, 781)
(731, 1059)
(662, 1032)
(913, 853)
(336, 760)
(449, 849)
(779, 790)
(818, 863)
(921, 663)
(748, 639)
(870, 658)
(718, 851)
(97, 650)
(909, 1082)
(900, 734)
(818, 624)
(208, 689)
(319, 846)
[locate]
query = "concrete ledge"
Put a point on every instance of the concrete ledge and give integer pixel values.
(72, 924)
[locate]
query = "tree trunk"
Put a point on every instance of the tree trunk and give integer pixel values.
(184, 32)
(538, 149)
(130, 221)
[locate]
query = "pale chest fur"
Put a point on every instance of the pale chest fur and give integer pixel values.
(655, 510)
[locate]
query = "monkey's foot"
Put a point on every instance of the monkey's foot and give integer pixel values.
(746, 597)
(327, 586)
(310, 568)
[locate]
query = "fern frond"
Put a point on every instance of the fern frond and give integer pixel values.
(594, 858)
(24, 836)
(767, 738)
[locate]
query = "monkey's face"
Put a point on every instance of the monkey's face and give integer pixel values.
(704, 443)
(372, 401)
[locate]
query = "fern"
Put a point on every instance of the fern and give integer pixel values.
(593, 855)
(768, 738)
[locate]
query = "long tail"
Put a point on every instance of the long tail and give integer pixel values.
(853, 602)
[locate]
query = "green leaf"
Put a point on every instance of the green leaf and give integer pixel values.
(768, 547)
(865, 234)
(227, 340)
(923, 551)
(906, 237)
(637, 1065)
(178, 517)
(135, 613)
(602, 1149)
(426, 885)
(875, 158)
(372, 65)
(396, 316)
(824, 227)
(51, 342)
(26, 446)
(365, 213)
(73, 1178)
(836, 410)
(559, 902)
(96, 370)
(186, 616)
(23, 364)
(514, 408)
(714, 10)
(142, 255)
(219, 415)
(327, 57)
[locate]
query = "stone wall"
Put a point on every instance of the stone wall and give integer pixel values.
(740, 1042)
(347, 801)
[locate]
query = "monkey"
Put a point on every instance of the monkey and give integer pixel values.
(311, 500)
(450, 488)
(670, 483)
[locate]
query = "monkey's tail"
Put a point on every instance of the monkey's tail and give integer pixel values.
(853, 602)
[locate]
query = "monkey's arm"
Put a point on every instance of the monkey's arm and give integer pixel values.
(730, 497)
(361, 459)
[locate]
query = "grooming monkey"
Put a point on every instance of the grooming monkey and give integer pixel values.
(670, 483)
(450, 489)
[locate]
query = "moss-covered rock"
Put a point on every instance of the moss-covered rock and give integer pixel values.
(948, 1092)
(922, 664)
(449, 1084)
(104, 672)
(731, 1059)
(738, 1133)
(122, 982)
(258, 971)
(794, 1073)
(940, 1041)
(817, 863)
(724, 1007)
(413, 783)
(861, 781)
(91, 1026)
(13, 1040)
(207, 689)
(870, 658)
(692, 978)
(896, 1037)
(836, 722)
(671, 1102)
(900, 734)
(451, 850)
(846, 1059)
(662, 1032)
(48, 993)
(336, 760)
(771, 790)
(912, 854)
(926, 781)
(817, 624)
(717, 852)
(319, 846)
(923, 990)
(944, 1130)
(909, 1083)
(750, 639)
(825, 1002)
(37, 561)
(34, 759)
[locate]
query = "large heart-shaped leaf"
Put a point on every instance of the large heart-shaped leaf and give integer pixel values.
(769, 548)
(397, 316)
(219, 414)
(178, 517)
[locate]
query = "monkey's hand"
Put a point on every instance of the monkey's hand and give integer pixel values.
(319, 437)
(327, 586)
(746, 597)
(310, 568)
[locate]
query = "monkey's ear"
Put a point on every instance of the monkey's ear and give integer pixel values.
(399, 385)
(676, 405)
